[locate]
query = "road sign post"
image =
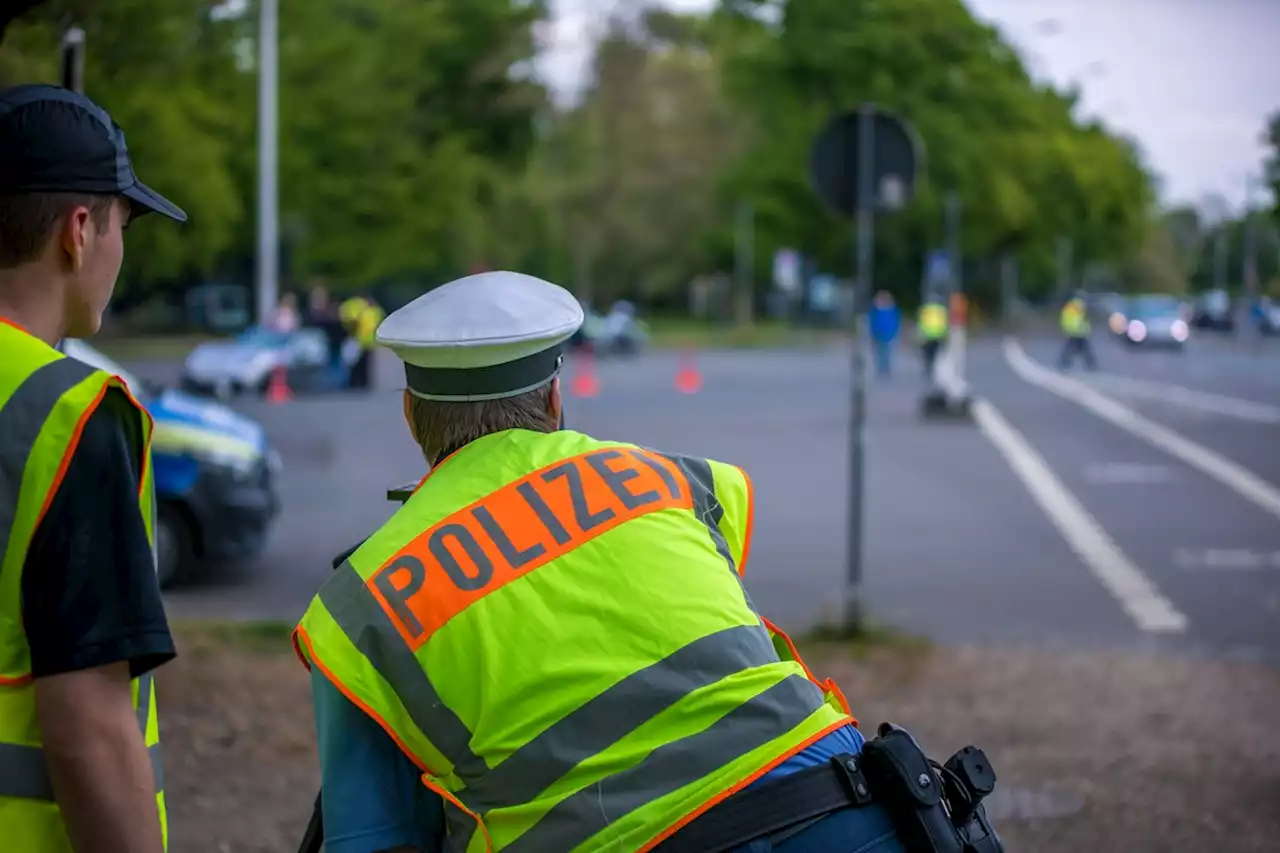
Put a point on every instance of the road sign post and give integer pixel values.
(862, 161)
(73, 60)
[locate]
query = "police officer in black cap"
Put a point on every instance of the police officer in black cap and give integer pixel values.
(82, 623)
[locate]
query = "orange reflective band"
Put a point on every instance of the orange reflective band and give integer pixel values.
(517, 529)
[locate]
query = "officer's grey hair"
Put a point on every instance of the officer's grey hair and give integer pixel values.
(443, 426)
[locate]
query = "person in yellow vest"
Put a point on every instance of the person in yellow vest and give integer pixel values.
(360, 316)
(552, 634)
(82, 623)
(1074, 320)
(931, 327)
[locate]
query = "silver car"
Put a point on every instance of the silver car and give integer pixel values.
(227, 368)
(1155, 321)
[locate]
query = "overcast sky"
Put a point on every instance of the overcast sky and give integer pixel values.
(1191, 80)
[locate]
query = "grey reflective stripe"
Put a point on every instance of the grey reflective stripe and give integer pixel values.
(367, 626)
(578, 817)
(612, 715)
(461, 826)
(22, 417)
(24, 774)
(702, 482)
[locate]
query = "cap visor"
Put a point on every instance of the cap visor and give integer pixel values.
(149, 200)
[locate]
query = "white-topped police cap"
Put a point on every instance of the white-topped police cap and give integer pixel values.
(483, 337)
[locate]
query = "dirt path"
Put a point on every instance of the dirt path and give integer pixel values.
(1144, 753)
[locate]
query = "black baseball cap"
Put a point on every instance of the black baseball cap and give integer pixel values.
(53, 140)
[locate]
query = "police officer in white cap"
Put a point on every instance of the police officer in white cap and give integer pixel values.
(552, 633)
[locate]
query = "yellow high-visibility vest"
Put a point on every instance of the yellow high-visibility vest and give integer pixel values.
(555, 630)
(362, 318)
(44, 399)
(1074, 319)
(933, 321)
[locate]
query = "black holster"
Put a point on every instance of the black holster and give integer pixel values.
(934, 808)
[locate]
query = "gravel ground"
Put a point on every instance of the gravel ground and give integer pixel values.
(1113, 753)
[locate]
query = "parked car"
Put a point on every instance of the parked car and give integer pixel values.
(1213, 310)
(225, 369)
(1155, 320)
(619, 332)
(215, 474)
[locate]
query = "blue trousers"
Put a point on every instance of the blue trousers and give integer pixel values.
(861, 830)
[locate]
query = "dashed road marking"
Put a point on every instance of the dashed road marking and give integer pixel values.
(1202, 401)
(1236, 477)
(1139, 597)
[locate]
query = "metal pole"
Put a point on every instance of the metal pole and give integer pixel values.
(955, 331)
(745, 235)
(1220, 258)
(1064, 267)
(268, 150)
(864, 244)
(73, 60)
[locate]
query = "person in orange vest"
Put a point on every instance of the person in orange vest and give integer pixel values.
(82, 623)
(552, 633)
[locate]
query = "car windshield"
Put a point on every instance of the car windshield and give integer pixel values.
(1154, 306)
(81, 351)
(257, 336)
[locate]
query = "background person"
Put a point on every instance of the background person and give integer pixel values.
(885, 320)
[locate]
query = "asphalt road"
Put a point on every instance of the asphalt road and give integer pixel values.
(968, 535)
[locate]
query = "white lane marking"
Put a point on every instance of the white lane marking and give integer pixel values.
(1128, 473)
(1226, 559)
(1136, 593)
(1247, 484)
(1166, 392)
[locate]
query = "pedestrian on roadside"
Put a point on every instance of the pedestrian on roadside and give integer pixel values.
(82, 622)
(885, 320)
(1074, 320)
(286, 318)
(671, 717)
(932, 326)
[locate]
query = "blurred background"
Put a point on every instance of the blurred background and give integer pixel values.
(1077, 569)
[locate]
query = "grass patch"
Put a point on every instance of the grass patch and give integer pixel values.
(269, 637)
(872, 640)
(149, 347)
(679, 334)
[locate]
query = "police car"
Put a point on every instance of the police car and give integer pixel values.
(215, 473)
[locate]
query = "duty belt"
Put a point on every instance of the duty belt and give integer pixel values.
(795, 800)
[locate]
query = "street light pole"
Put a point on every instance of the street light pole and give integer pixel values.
(73, 60)
(268, 151)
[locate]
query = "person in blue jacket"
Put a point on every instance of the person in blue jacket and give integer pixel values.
(885, 320)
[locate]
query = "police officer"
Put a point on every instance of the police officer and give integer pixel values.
(360, 317)
(553, 630)
(82, 623)
(1074, 320)
(931, 325)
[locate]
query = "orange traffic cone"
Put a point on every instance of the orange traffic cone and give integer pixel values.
(688, 379)
(278, 386)
(585, 383)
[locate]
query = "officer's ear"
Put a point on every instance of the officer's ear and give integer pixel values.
(408, 414)
(555, 404)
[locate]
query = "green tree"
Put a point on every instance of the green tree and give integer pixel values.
(150, 64)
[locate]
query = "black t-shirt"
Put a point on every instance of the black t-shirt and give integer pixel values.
(89, 591)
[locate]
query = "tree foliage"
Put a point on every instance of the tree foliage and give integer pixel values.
(415, 145)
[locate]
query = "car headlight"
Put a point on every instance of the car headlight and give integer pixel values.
(240, 466)
(1137, 331)
(1179, 330)
(1116, 322)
